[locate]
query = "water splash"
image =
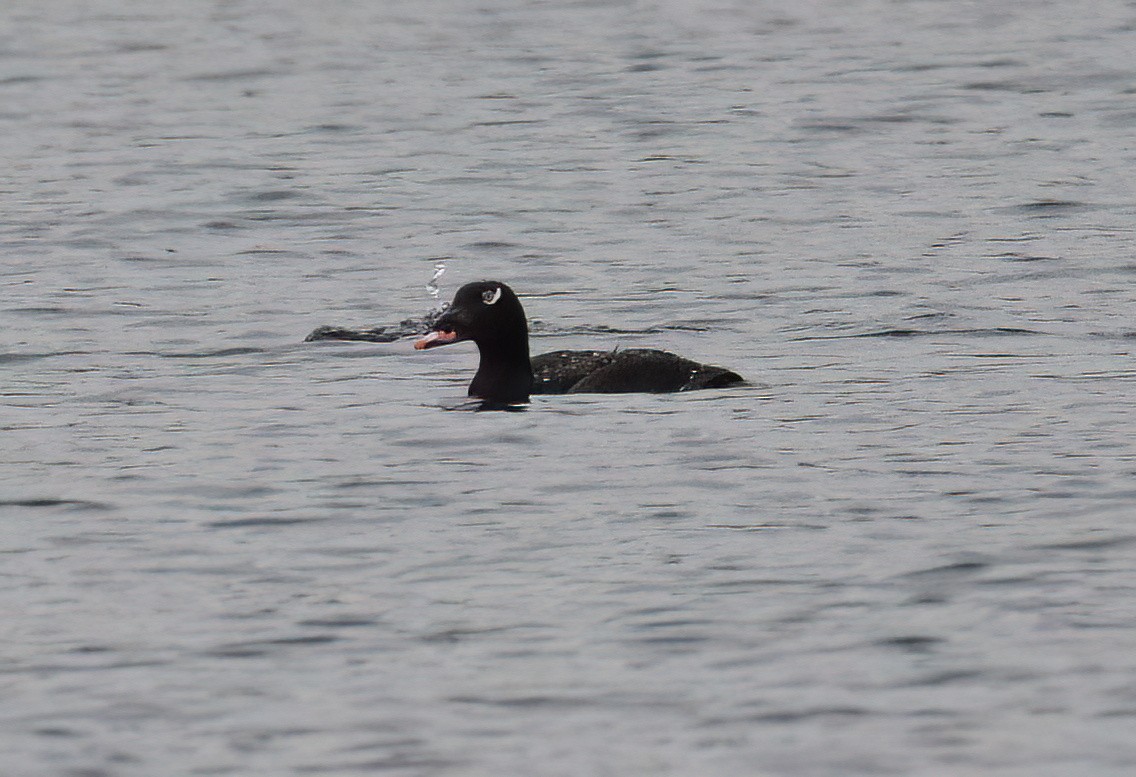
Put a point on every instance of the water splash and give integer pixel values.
(439, 270)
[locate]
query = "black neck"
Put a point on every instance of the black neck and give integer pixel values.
(504, 374)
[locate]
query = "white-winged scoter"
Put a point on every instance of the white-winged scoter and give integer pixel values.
(489, 314)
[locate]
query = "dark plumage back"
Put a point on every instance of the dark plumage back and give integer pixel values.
(617, 372)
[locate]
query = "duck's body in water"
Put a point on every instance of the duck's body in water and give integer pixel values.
(489, 314)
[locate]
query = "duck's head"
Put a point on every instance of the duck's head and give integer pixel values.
(489, 314)
(486, 312)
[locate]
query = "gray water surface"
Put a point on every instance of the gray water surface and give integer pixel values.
(905, 548)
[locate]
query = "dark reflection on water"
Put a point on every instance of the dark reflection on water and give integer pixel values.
(904, 549)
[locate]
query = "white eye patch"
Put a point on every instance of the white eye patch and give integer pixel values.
(491, 297)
